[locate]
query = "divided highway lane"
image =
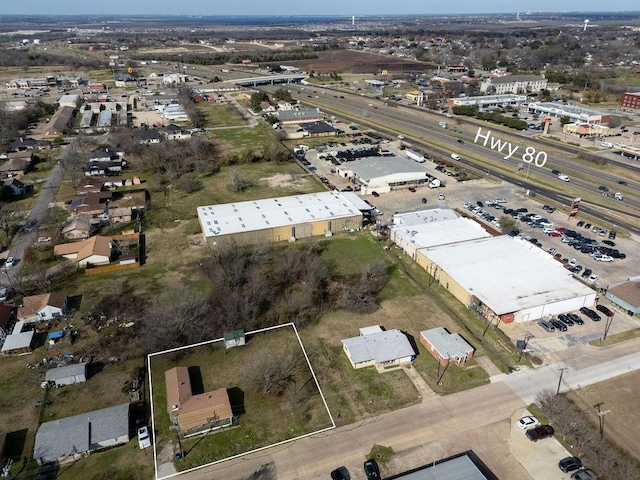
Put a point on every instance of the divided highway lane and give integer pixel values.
(413, 124)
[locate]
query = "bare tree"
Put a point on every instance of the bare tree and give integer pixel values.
(274, 374)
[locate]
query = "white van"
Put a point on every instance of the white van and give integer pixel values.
(455, 156)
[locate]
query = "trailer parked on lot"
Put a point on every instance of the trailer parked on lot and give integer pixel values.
(414, 156)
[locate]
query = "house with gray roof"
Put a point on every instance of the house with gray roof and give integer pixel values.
(69, 438)
(67, 375)
(384, 349)
(446, 347)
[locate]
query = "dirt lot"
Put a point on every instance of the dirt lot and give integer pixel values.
(620, 396)
(349, 61)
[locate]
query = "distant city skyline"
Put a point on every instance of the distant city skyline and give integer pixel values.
(295, 7)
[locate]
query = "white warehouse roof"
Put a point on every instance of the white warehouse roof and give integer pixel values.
(230, 218)
(507, 274)
(438, 233)
(427, 215)
(374, 170)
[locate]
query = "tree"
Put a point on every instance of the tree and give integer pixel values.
(273, 374)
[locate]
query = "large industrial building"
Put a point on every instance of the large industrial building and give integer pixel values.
(283, 218)
(501, 277)
(383, 174)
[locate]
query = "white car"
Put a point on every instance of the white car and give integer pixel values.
(527, 422)
(592, 278)
(501, 200)
(603, 258)
(44, 239)
(144, 441)
(564, 178)
(10, 262)
(607, 144)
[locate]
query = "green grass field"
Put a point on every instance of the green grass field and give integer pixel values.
(220, 115)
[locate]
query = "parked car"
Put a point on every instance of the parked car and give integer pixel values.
(603, 258)
(593, 278)
(10, 262)
(424, 200)
(559, 325)
(340, 473)
(586, 273)
(569, 464)
(144, 441)
(412, 189)
(576, 318)
(375, 194)
(585, 474)
(538, 433)
(547, 326)
(591, 314)
(607, 311)
(372, 470)
(527, 422)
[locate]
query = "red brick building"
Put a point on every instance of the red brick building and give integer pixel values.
(631, 100)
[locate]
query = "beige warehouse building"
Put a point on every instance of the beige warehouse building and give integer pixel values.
(281, 219)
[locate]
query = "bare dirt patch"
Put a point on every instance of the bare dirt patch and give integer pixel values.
(287, 180)
(350, 61)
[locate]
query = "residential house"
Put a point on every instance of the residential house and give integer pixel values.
(147, 136)
(446, 347)
(384, 349)
(174, 132)
(121, 214)
(58, 124)
(70, 438)
(19, 341)
(98, 184)
(43, 307)
(91, 203)
(93, 251)
(28, 143)
(79, 227)
(190, 412)
(16, 186)
(67, 375)
(18, 163)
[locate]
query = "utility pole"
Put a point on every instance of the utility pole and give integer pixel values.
(562, 370)
(607, 326)
(601, 414)
(527, 337)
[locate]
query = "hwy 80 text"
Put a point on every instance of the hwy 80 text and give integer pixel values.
(530, 155)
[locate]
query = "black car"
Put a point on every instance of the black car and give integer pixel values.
(622, 182)
(479, 203)
(522, 210)
(569, 464)
(580, 223)
(460, 141)
(605, 310)
(560, 326)
(609, 242)
(591, 314)
(375, 194)
(372, 470)
(543, 431)
(587, 226)
(612, 235)
(341, 473)
(565, 319)
(586, 273)
(576, 318)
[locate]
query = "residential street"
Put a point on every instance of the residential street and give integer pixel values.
(35, 219)
(480, 419)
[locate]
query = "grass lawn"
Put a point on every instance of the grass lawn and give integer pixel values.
(220, 115)
(263, 419)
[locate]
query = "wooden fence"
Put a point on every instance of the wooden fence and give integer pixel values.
(110, 268)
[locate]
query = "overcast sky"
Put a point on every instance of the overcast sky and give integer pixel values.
(298, 7)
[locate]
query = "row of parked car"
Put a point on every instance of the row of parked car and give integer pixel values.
(371, 470)
(563, 321)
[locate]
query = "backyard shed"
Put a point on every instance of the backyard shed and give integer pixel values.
(67, 375)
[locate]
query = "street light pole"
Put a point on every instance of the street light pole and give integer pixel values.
(562, 370)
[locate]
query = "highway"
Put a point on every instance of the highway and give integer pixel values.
(421, 130)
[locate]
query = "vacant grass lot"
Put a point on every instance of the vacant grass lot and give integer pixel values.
(263, 419)
(220, 115)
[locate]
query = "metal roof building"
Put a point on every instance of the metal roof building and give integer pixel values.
(382, 174)
(278, 219)
(67, 375)
(71, 437)
(383, 349)
(505, 277)
(465, 466)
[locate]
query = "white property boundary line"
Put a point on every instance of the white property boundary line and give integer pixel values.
(153, 429)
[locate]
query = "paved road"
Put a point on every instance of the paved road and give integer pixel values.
(35, 220)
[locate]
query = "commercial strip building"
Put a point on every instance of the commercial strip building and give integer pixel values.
(488, 101)
(501, 277)
(383, 174)
(575, 114)
(279, 219)
(630, 101)
(514, 84)
(626, 295)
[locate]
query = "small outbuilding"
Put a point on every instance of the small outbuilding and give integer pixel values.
(18, 342)
(67, 375)
(384, 349)
(446, 347)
